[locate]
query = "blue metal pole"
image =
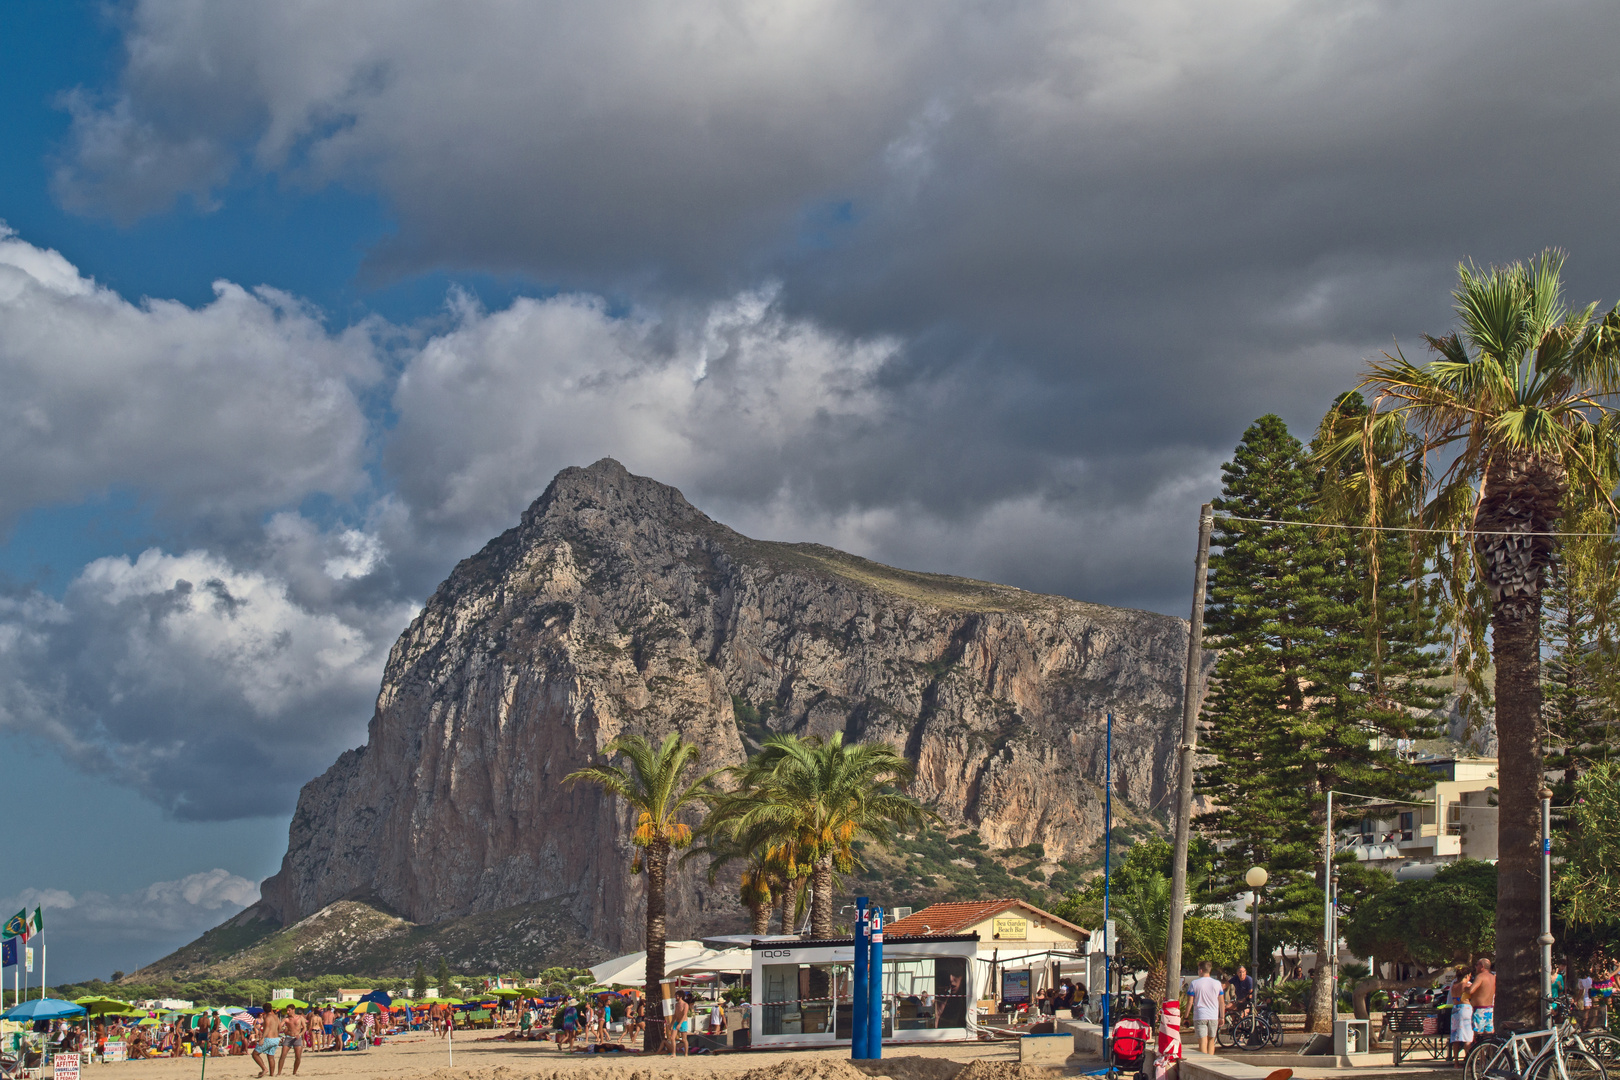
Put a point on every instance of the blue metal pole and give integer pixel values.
(874, 1024)
(1108, 851)
(861, 1009)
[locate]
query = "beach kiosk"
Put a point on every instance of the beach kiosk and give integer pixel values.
(803, 994)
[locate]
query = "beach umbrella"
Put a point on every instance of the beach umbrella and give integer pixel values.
(379, 996)
(282, 1003)
(95, 1004)
(369, 1007)
(452, 1001)
(150, 1021)
(503, 992)
(232, 1010)
(43, 1009)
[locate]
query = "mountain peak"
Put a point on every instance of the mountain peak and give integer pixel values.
(608, 487)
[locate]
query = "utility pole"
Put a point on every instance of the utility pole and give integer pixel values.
(1189, 747)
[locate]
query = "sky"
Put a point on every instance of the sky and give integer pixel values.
(302, 303)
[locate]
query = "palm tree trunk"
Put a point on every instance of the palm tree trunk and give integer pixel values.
(657, 866)
(1320, 1006)
(762, 918)
(821, 898)
(1522, 493)
(1516, 650)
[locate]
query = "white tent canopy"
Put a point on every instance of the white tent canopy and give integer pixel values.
(679, 956)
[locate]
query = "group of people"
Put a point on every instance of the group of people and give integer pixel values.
(1472, 997)
(1599, 979)
(1067, 994)
(268, 1038)
(613, 1022)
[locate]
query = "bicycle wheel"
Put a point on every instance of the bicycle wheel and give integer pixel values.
(1254, 1033)
(1226, 1034)
(1274, 1030)
(1578, 1065)
(1603, 1046)
(1486, 1055)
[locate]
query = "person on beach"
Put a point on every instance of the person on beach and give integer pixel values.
(567, 1023)
(1462, 1016)
(680, 1024)
(264, 1055)
(292, 1038)
(1482, 997)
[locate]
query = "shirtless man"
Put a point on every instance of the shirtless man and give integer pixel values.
(292, 1038)
(269, 1043)
(1482, 996)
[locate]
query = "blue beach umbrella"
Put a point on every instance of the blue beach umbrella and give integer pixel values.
(43, 1009)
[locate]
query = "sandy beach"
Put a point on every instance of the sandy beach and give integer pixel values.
(411, 1057)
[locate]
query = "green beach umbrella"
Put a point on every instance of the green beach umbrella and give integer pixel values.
(96, 1004)
(282, 1003)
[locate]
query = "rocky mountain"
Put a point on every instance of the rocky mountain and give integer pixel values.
(615, 605)
(365, 938)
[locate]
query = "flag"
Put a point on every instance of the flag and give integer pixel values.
(16, 926)
(8, 953)
(28, 958)
(39, 920)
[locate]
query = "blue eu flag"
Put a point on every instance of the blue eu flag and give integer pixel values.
(8, 953)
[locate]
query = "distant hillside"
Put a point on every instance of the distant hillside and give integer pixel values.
(363, 937)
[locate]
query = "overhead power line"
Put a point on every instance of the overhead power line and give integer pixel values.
(1404, 529)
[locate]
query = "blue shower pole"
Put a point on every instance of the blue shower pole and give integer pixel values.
(874, 1025)
(859, 1012)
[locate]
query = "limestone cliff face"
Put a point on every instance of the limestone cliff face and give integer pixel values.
(615, 606)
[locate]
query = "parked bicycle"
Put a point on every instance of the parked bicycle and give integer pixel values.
(1557, 1053)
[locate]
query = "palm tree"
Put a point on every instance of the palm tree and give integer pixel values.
(816, 797)
(654, 786)
(764, 881)
(1519, 401)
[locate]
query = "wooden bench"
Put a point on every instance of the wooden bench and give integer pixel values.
(1418, 1028)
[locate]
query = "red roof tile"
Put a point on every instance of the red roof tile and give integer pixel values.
(956, 918)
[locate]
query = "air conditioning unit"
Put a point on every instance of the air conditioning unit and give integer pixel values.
(899, 913)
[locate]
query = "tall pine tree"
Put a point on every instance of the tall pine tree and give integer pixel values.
(1321, 671)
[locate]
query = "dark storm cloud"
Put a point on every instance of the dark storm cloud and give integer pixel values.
(1109, 232)
(985, 289)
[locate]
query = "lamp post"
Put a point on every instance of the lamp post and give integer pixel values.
(1546, 938)
(1256, 879)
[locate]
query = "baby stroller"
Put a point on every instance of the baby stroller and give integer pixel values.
(1129, 1043)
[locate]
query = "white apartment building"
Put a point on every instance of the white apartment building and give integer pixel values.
(1452, 819)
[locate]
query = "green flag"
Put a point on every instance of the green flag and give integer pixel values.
(16, 926)
(39, 920)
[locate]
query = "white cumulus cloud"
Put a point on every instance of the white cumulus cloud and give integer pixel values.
(245, 404)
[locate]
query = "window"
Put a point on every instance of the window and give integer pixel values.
(806, 999)
(1406, 826)
(925, 993)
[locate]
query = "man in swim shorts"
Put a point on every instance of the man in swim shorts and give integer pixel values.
(1482, 996)
(264, 1055)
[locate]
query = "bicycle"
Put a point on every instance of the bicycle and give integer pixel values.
(1247, 1029)
(1557, 1053)
(1274, 1025)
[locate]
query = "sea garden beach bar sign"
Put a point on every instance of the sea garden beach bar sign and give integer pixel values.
(1010, 929)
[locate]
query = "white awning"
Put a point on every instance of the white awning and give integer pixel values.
(631, 968)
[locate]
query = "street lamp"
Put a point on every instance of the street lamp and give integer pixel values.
(1256, 879)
